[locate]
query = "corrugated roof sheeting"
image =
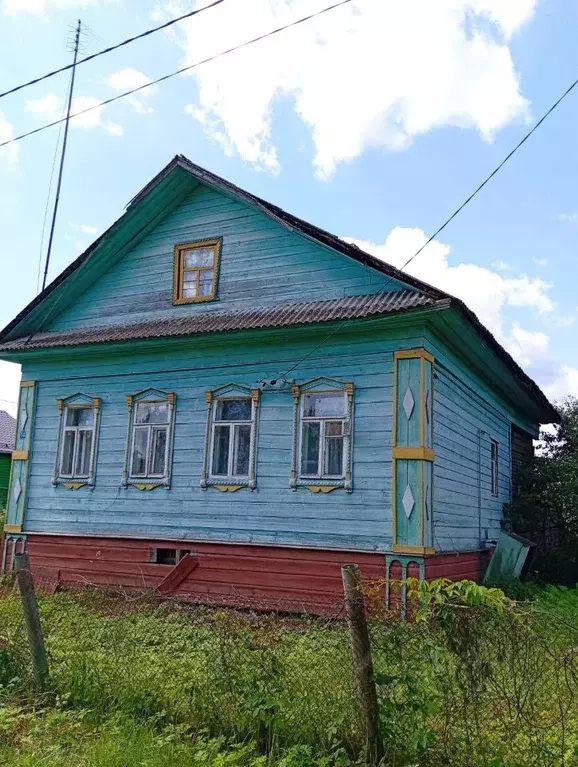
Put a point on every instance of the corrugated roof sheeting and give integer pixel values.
(280, 315)
(7, 432)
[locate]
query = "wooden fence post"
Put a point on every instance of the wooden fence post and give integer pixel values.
(363, 677)
(32, 617)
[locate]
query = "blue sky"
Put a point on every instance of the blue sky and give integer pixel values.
(374, 121)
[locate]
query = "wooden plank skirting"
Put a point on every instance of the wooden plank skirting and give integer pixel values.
(236, 575)
(262, 577)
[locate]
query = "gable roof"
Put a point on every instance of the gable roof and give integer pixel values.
(7, 432)
(167, 189)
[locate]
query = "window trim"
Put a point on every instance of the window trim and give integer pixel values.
(230, 482)
(179, 270)
(494, 468)
(149, 481)
(74, 402)
(322, 482)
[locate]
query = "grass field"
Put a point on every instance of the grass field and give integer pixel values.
(135, 682)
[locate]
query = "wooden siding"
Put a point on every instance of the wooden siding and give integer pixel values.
(261, 263)
(466, 418)
(273, 513)
(260, 576)
(464, 411)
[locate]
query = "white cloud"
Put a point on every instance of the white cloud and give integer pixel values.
(369, 74)
(488, 294)
(9, 386)
(502, 266)
(51, 107)
(39, 7)
(84, 228)
(10, 152)
(127, 79)
(565, 320)
(563, 385)
(540, 261)
(568, 217)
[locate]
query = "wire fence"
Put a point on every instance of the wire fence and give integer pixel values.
(470, 685)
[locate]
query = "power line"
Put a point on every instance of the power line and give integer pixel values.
(111, 48)
(178, 72)
(456, 212)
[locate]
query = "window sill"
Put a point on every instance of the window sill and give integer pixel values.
(73, 484)
(144, 484)
(322, 485)
(228, 485)
(195, 300)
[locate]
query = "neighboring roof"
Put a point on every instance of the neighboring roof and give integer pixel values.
(7, 432)
(180, 164)
(281, 315)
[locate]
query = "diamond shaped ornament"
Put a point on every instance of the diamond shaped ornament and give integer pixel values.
(17, 491)
(408, 501)
(408, 403)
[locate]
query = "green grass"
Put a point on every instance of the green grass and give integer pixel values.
(137, 683)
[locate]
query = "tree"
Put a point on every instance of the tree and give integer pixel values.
(546, 507)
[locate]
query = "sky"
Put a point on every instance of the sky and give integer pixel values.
(374, 120)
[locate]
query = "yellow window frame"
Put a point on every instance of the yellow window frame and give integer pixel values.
(180, 270)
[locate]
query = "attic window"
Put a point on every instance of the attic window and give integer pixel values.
(196, 271)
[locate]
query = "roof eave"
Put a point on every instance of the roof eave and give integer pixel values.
(548, 413)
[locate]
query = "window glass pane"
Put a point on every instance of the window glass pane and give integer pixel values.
(199, 257)
(190, 284)
(152, 412)
(206, 282)
(325, 405)
(82, 468)
(79, 416)
(221, 451)
(159, 449)
(310, 448)
(67, 453)
(242, 449)
(139, 452)
(334, 428)
(233, 410)
(333, 457)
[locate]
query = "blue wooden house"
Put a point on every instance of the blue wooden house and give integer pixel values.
(218, 378)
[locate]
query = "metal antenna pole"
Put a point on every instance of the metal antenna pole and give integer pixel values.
(66, 124)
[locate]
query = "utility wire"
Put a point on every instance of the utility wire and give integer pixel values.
(111, 48)
(456, 212)
(178, 71)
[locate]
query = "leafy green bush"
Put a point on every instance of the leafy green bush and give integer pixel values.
(546, 507)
